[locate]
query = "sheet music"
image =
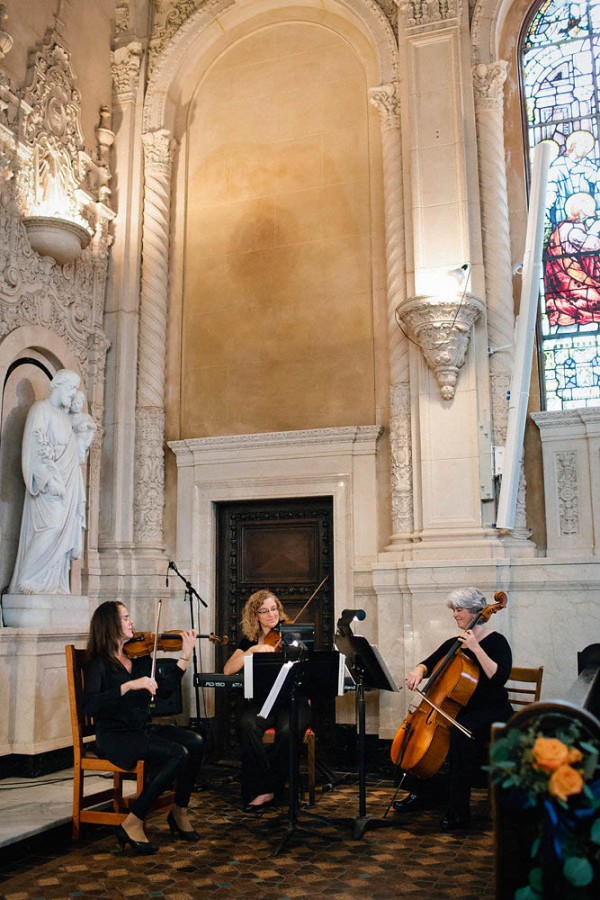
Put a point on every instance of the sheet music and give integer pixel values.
(274, 692)
(341, 675)
(248, 680)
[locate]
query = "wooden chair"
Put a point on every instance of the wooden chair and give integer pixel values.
(309, 742)
(524, 686)
(84, 760)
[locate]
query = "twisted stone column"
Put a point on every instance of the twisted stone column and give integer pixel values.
(387, 101)
(488, 81)
(149, 438)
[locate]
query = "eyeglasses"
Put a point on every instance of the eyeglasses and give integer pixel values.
(266, 612)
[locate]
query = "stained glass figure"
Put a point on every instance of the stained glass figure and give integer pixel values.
(561, 76)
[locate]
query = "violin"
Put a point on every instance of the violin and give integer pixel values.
(273, 637)
(143, 643)
(422, 741)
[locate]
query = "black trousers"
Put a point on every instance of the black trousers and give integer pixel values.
(175, 754)
(265, 768)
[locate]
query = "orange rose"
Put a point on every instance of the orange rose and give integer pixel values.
(575, 755)
(564, 782)
(550, 753)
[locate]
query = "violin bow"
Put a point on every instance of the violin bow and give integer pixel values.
(153, 671)
(312, 596)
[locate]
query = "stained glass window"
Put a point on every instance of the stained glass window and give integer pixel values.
(561, 77)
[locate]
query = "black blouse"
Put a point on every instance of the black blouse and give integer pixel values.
(122, 721)
(490, 692)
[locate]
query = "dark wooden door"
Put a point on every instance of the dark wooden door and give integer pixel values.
(285, 546)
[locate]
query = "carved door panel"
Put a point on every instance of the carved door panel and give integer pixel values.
(285, 546)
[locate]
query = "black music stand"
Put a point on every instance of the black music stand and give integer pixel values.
(370, 673)
(321, 672)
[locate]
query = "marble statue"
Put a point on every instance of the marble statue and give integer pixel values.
(56, 440)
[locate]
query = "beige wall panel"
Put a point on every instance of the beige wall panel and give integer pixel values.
(277, 329)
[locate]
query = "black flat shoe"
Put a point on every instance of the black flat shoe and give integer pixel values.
(455, 819)
(178, 832)
(407, 804)
(142, 847)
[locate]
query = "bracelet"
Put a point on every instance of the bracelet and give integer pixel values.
(185, 658)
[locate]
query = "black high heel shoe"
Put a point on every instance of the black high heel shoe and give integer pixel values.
(142, 847)
(455, 818)
(178, 832)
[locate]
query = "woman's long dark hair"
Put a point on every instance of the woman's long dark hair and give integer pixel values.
(105, 631)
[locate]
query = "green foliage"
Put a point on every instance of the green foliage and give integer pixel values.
(554, 769)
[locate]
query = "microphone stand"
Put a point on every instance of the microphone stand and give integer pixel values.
(190, 592)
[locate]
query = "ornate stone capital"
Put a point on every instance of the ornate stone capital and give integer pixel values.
(488, 83)
(158, 151)
(125, 67)
(387, 101)
(441, 327)
(417, 13)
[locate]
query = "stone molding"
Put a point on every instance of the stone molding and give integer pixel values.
(177, 25)
(442, 328)
(243, 443)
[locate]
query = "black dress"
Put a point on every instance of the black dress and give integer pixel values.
(265, 768)
(488, 704)
(125, 732)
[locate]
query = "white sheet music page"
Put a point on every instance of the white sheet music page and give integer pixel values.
(274, 692)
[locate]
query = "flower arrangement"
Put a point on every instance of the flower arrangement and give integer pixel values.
(553, 769)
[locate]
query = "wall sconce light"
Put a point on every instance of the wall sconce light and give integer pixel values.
(53, 220)
(440, 322)
(62, 239)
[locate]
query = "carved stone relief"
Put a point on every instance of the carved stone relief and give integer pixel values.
(43, 160)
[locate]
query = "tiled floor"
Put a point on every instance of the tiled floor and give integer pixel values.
(235, 856)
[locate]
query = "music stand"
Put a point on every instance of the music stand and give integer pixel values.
(320, 672)
(370, 673)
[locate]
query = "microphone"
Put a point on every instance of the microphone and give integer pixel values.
(167, 575)
(351, 615)
(347, 617)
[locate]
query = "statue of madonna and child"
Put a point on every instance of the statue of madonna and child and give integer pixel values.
(56, 441)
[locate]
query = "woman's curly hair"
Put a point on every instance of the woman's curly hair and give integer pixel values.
(250, 623)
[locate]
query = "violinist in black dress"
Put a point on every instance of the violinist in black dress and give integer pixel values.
(491, 653)
(117, 694)
(263, 773)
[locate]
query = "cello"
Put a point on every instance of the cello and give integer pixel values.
(422, 741)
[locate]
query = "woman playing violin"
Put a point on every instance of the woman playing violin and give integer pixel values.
(262, 774)
(492, 655)
(117, 694)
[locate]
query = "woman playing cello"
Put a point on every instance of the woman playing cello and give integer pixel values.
(488, 703)
(117, 694)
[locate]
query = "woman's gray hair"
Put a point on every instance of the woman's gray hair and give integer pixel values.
(467, 598)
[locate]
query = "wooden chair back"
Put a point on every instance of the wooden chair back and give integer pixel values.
(524, 686)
